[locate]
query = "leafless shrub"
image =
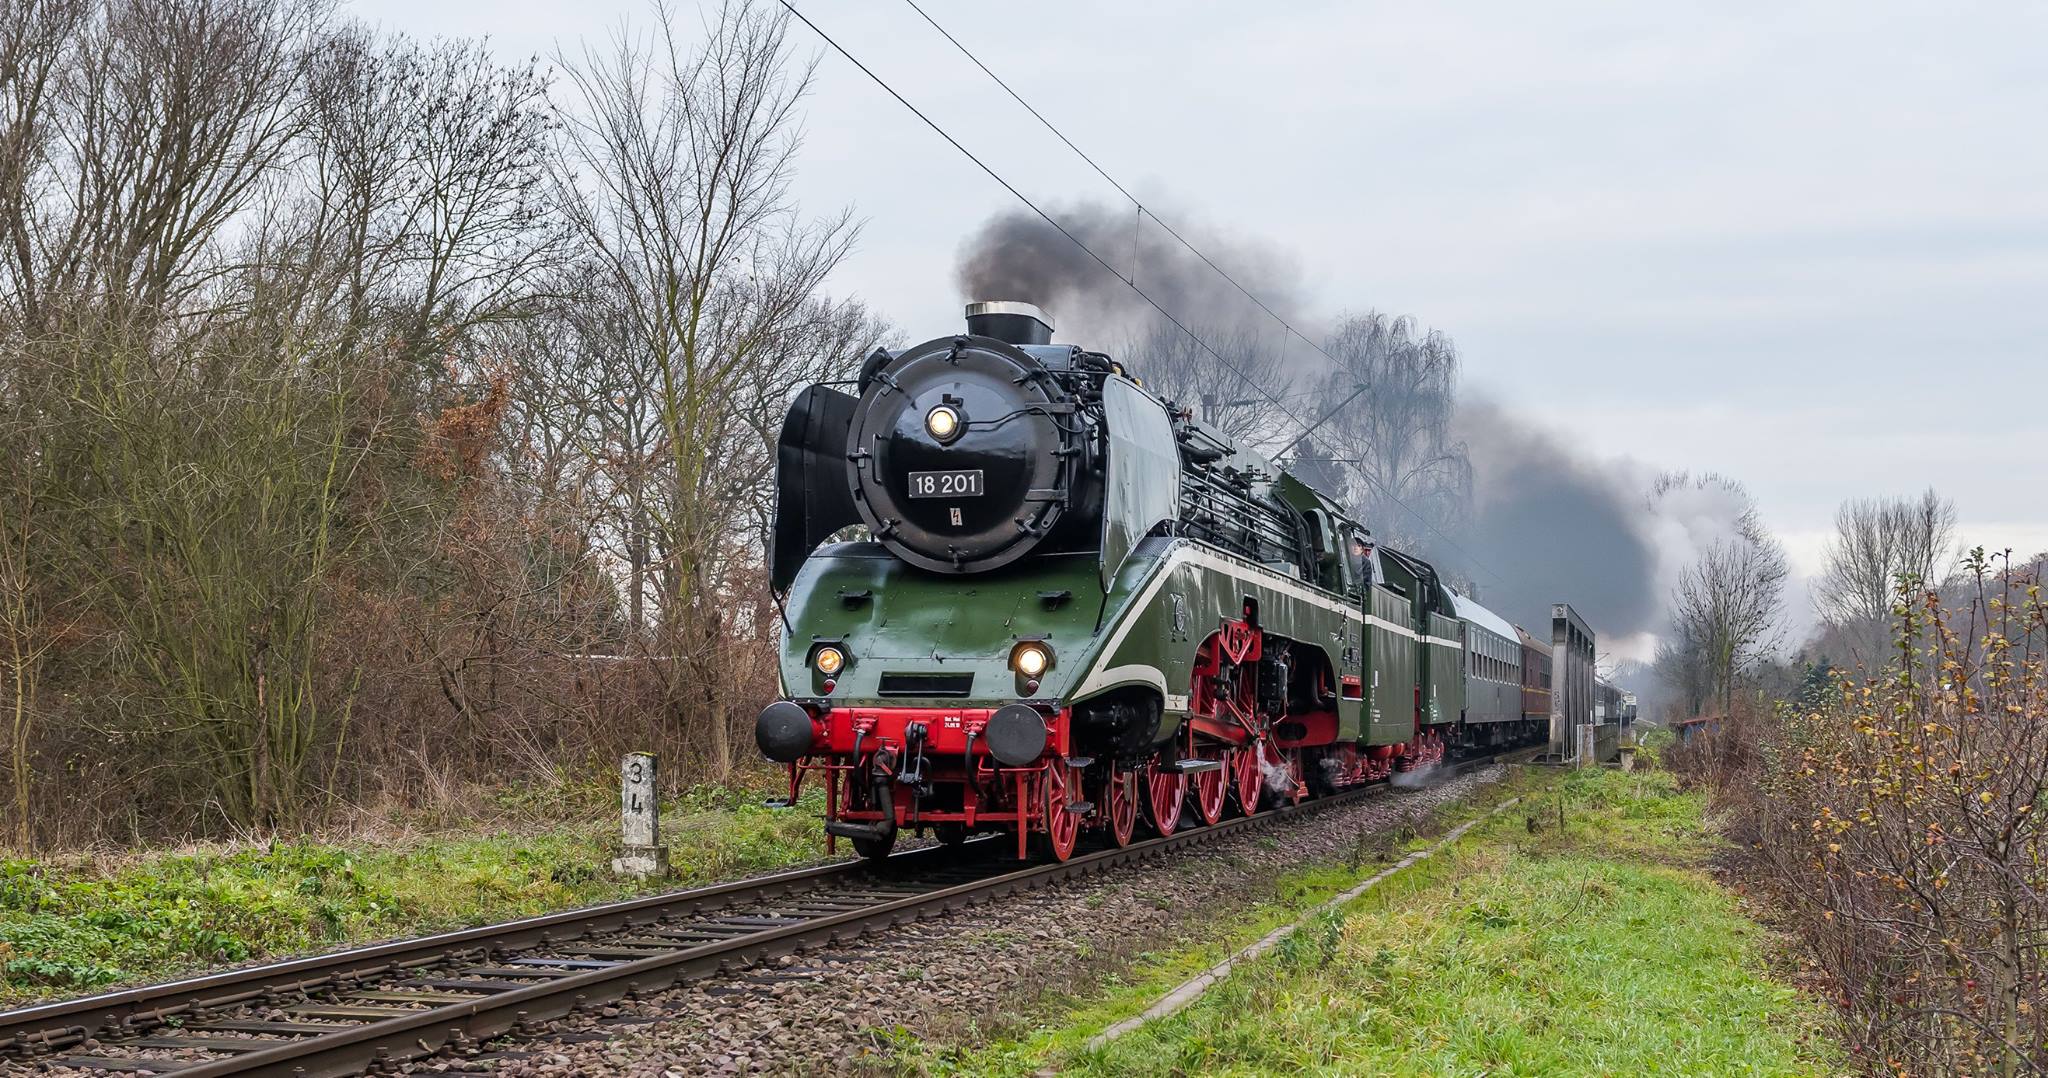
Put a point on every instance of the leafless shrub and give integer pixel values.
(1898, 824)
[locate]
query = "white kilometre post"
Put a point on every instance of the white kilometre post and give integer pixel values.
(641, 854)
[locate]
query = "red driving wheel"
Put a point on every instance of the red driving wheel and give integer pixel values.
(1062, 826)
(1120, 799)
(1250, 778)
(1210, 789)
(1165, 789)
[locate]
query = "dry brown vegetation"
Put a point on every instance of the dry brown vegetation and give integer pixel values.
(380, 418)
(1896, 820)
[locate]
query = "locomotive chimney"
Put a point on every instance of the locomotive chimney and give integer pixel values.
(1009, 321)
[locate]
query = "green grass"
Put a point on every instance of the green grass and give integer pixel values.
(76, 925)
(1604, 949)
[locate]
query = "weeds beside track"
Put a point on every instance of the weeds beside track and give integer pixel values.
(340, 1013)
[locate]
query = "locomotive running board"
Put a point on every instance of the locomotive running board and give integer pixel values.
(1196, 765)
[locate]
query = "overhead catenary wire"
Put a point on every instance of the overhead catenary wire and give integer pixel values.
(1128, 282)
(1022, 197)
(1144, 211)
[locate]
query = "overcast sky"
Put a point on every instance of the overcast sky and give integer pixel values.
(1803, 245)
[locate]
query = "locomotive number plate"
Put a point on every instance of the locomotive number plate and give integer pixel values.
(965, 483)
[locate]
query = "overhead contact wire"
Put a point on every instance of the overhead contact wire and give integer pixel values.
(1143, 210)
(1099, 260)
(1146, 211)
(1021, 197)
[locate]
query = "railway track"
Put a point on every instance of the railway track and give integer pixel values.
(356, 1010)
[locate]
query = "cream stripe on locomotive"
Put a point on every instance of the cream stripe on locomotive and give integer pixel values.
(1190, 552)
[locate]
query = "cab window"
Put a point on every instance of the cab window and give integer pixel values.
(1358, 559)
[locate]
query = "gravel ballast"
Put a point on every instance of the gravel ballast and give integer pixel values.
(964, 976)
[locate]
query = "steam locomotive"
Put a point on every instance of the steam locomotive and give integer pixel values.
(1070, 606)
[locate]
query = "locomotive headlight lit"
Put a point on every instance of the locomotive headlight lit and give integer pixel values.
(943, 422)
(829, 661)
(1030, 659)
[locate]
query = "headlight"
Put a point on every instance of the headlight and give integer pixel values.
(943, 423)
(829, 660)
(1031, 659)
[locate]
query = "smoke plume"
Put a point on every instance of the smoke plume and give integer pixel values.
(1610, 537)
(1559, 527)
(1545, 523)
(1016, 255)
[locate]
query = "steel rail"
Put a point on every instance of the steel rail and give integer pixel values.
(77, 1019)
(136, 1014)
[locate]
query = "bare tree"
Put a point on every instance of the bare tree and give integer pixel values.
(1728, 607)
(173, 112)
(675, 174)
(28, 632)
(37, 38)
(426, 212)
(1409, 476)
(37, 48)
(1881, 544)
(1244, 394)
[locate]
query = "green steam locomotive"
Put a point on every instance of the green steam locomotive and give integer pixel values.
(1077, 608)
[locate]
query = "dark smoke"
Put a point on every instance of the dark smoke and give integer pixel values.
(1544, 524)
(1559, 527)
(1017, 256)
